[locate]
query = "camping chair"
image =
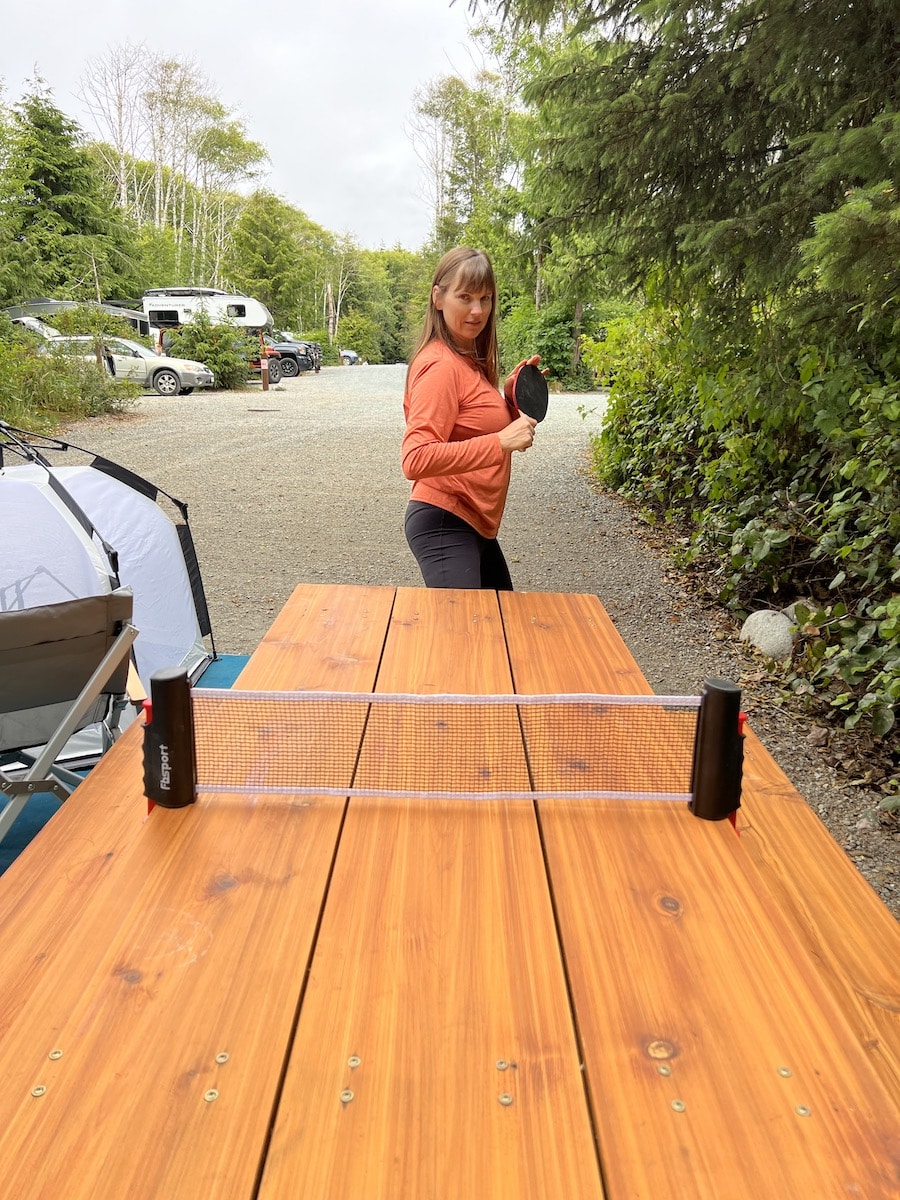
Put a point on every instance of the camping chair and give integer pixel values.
(63, 667)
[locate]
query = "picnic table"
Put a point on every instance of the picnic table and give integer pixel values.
(268, 996)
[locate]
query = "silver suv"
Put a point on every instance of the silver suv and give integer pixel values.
(130, 360)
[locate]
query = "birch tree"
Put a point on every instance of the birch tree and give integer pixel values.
(110, 91)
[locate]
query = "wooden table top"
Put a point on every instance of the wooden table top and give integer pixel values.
(269, 996)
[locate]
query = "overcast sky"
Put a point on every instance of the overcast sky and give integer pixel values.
(325, 85)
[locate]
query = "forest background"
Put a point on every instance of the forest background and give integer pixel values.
(694, 205)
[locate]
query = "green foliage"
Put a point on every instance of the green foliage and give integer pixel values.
(90, 318)
(549, 332)
(739, 165)
(330, 354)
(62, 232)
(360, 333)
(223, 348)
(275, 255)
(387, 297)
(706, 139)
(37, 391)
(781, 466)
(854, 656)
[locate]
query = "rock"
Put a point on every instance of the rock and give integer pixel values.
(770, 632)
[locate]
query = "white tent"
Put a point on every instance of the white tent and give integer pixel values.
(82, 530)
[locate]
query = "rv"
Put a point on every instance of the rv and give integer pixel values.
(31, 313)
(169, 307)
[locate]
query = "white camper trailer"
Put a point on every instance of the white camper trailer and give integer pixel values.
(167, 308)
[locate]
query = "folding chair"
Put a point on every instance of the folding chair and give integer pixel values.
(63, 668)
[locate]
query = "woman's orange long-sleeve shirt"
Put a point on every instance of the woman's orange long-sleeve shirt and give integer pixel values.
(450, 449)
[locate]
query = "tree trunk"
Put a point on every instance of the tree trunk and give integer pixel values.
(576, 335)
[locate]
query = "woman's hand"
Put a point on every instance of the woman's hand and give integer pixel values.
(518, 434)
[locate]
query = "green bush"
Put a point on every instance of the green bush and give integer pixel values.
(547, 332)
(360, 333)
(223, 348)
(778, 460)
(39, 390)
(550, 332)
(330, 354)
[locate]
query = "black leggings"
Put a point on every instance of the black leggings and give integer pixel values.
(451, 554)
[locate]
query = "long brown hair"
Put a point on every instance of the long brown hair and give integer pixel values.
(471, 270)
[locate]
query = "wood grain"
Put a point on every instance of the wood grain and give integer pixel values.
(841, 921)
(735, 1000)
(437, 960)
(832, 910)
(143, 948)
(679, 959)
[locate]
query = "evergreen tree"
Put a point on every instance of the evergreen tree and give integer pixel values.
(65, 236)
(704, 144)
(279, 256)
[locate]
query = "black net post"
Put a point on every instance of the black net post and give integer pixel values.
(170, 761)
(718, 752)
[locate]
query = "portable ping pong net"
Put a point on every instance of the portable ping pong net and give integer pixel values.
(265, 994)
(510, 747)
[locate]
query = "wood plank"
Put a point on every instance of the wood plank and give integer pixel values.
(678, 959)
(567, 643)
(143, 957)
(834, 912)
(692, 968)
(437, 985)
(324, 639)
(839, 918)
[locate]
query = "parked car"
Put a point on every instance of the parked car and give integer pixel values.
(294, 356)
(36, 325)
(349, 358)
(312, 350)
(259, 348)
(131, 360)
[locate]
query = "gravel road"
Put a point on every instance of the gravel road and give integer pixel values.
(302, 483)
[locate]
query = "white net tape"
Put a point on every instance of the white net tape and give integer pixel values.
(459, 747)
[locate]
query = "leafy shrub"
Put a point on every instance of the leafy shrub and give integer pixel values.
(37, 390)
(855, 657)
(551, 332)
(527, 331)
(360, 333)
(223, 348)
(330, 354)
(779, 460)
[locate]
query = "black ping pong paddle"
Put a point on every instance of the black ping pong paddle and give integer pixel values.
(531, 392)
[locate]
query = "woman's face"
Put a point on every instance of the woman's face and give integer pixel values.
(466, 310)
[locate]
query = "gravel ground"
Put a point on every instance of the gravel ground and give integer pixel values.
(302, 484)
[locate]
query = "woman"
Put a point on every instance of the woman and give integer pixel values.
(460, 431)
